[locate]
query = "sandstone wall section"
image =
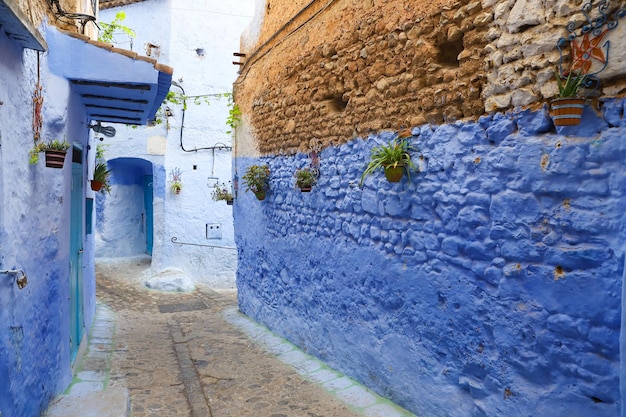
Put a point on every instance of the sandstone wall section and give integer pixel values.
(342, 69)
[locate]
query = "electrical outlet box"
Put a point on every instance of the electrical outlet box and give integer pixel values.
(213, 230)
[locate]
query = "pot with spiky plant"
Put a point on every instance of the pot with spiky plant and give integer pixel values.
(256, 179)
(54, 150)
(305, 179)
(100, 181)
(567, 108)
(393, 158)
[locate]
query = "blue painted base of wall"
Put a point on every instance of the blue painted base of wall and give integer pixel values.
(488, 286)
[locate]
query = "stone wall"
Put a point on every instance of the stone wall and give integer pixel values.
(335, 72)
(37, 11)
(490, 285)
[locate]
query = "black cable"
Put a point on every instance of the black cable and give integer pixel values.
(62, 14)
(251, 61)
(182, 126)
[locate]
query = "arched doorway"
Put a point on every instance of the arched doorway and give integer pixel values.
(124, 222)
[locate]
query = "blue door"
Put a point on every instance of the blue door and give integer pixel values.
(76, 259)
(147, 202)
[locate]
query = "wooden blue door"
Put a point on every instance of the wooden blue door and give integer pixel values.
(76, 259)
(147, 201)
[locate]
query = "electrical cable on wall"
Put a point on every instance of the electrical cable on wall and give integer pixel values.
(253, 57)
(61, 14)
(219, 146)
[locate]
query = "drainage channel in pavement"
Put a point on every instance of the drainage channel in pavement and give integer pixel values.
(362, 400)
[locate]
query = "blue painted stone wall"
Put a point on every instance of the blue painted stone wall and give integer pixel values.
(488, 286)
(34, 236)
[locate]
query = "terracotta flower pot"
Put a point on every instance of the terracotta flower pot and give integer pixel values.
(567, 111)
(260, 195)
(55, 159)
(394, 174)
(96, 185)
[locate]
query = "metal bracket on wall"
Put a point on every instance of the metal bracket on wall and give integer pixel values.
(589, 55)
(175, 240)
(20, 276)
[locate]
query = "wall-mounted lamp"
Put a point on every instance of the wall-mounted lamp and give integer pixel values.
(20, 276)
(108, 131)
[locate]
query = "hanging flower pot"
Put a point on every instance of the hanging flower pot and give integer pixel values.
(567, 111)
(223, 192)
(394, 173)
(306, 178)
(96, 185)
(393, 158)
(55, 158)
(260, 195)
(256, 179)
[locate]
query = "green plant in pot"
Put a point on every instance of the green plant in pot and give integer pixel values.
(568, 107)
(256, 180)
(222, 192)
(176, 183)
(393, 158)
(570, 86)
(54, 150)
(100, 181)
(305, 179)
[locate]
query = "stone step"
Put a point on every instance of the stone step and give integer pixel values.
(112, 402)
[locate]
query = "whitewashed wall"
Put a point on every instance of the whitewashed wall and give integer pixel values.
(197, 38)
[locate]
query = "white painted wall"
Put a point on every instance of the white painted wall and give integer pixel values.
(251, 35)
(197, 38)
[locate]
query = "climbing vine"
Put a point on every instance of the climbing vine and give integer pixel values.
(180, 99)
(109, 29)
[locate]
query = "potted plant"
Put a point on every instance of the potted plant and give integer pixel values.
(176, 183)
(222, 192)
(256, 179)
(54, 150)
(305, 179)
(567, 108)
(393, 158)
(100, 181)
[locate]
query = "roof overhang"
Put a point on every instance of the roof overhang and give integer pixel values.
(18, 27)
(108, 4)
(115, 85)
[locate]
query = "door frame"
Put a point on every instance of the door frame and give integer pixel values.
(77, 324)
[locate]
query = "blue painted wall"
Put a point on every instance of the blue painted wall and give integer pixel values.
(488, 286)
(34, 236)
(121, 214)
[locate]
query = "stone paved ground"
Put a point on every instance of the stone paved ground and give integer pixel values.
(182, 354)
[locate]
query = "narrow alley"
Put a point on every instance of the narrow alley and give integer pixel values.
(193, 354)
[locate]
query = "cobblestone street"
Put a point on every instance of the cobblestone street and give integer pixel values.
(189, 354)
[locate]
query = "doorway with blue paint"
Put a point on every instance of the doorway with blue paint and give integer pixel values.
(124, 222)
